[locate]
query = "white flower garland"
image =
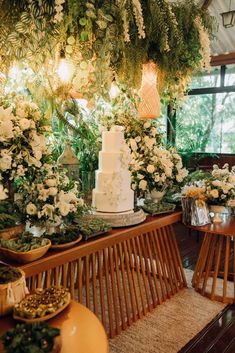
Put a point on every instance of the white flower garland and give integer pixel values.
(205, 50)
(137, 9)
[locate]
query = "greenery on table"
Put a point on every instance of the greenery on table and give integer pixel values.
(30, 338)
(93, 226)
(106, 38)
(25, 242)
(64, 236)
(158, 208)
(8, 274)
(9, 216)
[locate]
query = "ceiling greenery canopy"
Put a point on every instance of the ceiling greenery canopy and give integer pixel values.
(104, 39)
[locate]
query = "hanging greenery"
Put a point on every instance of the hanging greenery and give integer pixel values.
(104, 39)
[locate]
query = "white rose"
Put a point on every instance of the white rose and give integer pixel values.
(214, 193)
(64, 208)
(24, 124)
(138, 139)
(143, 184)
(150, 168)
(51, 182)
(31, 209)
(147, 124)
(80, 202)
(6, 130)
(21, 113)
(3, 193)
(48, 210)
(52, 191)
(5, 160)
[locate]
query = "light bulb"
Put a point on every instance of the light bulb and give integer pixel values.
(65, 70)
(114, 91)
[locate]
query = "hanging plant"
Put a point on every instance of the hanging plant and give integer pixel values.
(104, 37)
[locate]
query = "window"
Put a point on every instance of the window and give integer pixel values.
(206, 120)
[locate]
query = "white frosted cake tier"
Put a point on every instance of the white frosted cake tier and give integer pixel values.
(112, 180)
(113, 202)
(112, 141)
(110, 161)
(113, 193)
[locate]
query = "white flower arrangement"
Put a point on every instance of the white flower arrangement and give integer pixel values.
(152, 166)
(220, 188)
(51, 197)
(46, 193)
(157, 169)
(23, 143)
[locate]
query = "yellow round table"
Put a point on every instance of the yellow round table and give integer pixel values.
(81, 330)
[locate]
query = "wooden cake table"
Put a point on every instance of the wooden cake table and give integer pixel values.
(120, 276)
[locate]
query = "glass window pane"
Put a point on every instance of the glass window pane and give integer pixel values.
(210, 79)
(230, 75)
(206, 123)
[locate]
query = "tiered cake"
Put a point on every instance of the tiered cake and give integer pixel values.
(112, 191)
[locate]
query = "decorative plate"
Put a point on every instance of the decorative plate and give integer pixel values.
(66, 245)
(42, 318)
(158, 208)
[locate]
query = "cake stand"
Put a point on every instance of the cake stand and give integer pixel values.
(122, 219)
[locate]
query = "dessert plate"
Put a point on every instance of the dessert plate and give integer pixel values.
(41, 318)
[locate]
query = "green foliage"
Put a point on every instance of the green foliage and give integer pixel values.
(9, 217)
(92, 35)
(30, 338)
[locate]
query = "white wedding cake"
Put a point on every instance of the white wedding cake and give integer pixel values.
(113, 191)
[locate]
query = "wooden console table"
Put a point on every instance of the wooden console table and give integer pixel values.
(120, 276)
(217, 250)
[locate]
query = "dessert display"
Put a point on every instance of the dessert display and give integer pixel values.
(37, 337)
(113, 193)
(42, 305)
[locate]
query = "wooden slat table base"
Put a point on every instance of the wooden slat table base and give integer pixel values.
(212, 264)
(120, 277)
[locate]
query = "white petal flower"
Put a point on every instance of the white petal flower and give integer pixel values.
(31, 209)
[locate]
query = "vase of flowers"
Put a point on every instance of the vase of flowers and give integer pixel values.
(157, 171)
(217, 210)
(156, 195)
(220, 189)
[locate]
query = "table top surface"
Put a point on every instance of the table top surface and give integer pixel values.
(227, 227)
(84, 247)
(81, 331)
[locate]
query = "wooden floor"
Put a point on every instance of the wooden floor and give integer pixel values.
(219, 335)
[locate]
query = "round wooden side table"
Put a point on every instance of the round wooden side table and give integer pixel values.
(211, 273)
(81, 331)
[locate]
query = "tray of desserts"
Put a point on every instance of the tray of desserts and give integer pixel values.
(42, 305)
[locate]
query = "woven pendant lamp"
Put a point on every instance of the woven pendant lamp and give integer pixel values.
(149, 107)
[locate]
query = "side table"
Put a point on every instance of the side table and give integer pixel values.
(217, 251)
(81, 331)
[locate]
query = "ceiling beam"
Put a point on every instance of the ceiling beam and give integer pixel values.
(223, 59)
(206, 4)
